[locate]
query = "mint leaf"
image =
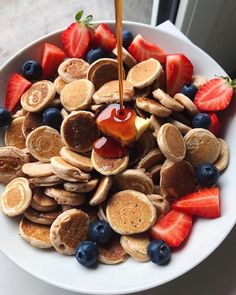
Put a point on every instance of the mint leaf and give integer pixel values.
(79, 15)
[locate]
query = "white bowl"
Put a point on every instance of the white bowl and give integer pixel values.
(131, 276)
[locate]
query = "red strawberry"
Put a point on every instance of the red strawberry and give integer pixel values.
(215, 126)
(179, 71)
(16, 86)
(76, 38)
(104, 38)
(173, 228)
(141, 50)
(215, 95)
(52, 57)
(204, 203)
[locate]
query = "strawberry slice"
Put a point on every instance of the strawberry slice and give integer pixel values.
(204, 203)
(104, 37)
(215, 126)
(173, 228)
(141, 50)
(16, 86)
(51, 59)
(215, 95)
(179, 71)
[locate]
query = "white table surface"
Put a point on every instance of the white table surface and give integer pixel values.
(214, 276)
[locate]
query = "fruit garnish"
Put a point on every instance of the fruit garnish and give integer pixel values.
(95, 54)
(141, 50)
(215, 95)
(189, 90)
(16, 86)
(207, 174)
(203, 203)
(215, 126)
(51, 59)
(127, 38)
(179, 71)
(201, 120)
(5, 117)
(173, 228)
(76, 38)
(104, 37)
(159, 252)
(31, 70)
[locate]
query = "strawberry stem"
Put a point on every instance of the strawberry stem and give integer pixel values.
(87, 22)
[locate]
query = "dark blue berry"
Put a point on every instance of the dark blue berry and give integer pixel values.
(100, 231)
(207, 174)
(189, 90)
(127, 38)
(5, 117)
(53, 118)
(95, 54)
(31, 70)
(87, 253)
(159, 252)
(201, 120)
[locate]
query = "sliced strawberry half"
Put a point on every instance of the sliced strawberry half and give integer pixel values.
(51, 59)
(104, 37)
(173, 228)
(179, 71)
(16, 86)
(215, 95)
(204, 203)
(215, 126)
(141, 50)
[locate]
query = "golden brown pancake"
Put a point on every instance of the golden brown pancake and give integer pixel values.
(41, 202)
(14, 135)
(73, 69)
(41, 217)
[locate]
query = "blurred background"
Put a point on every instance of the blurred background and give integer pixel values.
(208, 23)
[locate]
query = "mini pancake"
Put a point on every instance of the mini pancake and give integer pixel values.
(41, 202)
(64, 197)
(109, 166)
(81, 187)
(38, 169)
(21, 112)
(153, 107)
(201, 146)
(155, 124)
(38, 217)
(177, 179)
(59, 84)
(16, 197)
(136, 246)
(11, 161)
(109, 92)
(77, 95)
(187, 103)
(133, 179)
(31, 122)
(68, 230)
(14, 135)
(73, 69)
(44, 143)
(77, 160)
(36, 234)
(45, 180)
(144, 92)
(102, 191)
(182, 117)
(154, 173)
(160, 203)
(153, 157)
(64, 113)
(198, 81)
(144, 73)
(130, 212)
(68, 172)
(102, 71)
(183, 128)
(167, 101)
(112, 252)
(38, 96)
(79, 131)
(128, 59)
(223, 159)
(171, 142)
(102, 211)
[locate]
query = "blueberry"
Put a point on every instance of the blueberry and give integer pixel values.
(100, 231)
(87, 253)
(201, 120)
(207, 174)
(95, 54)
(127, 38)
(189, 90)
(53, 118)
(5, 117)
(31, 70)
(159, 252)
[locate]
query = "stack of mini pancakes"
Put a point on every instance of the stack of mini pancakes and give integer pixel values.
(60, 184)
